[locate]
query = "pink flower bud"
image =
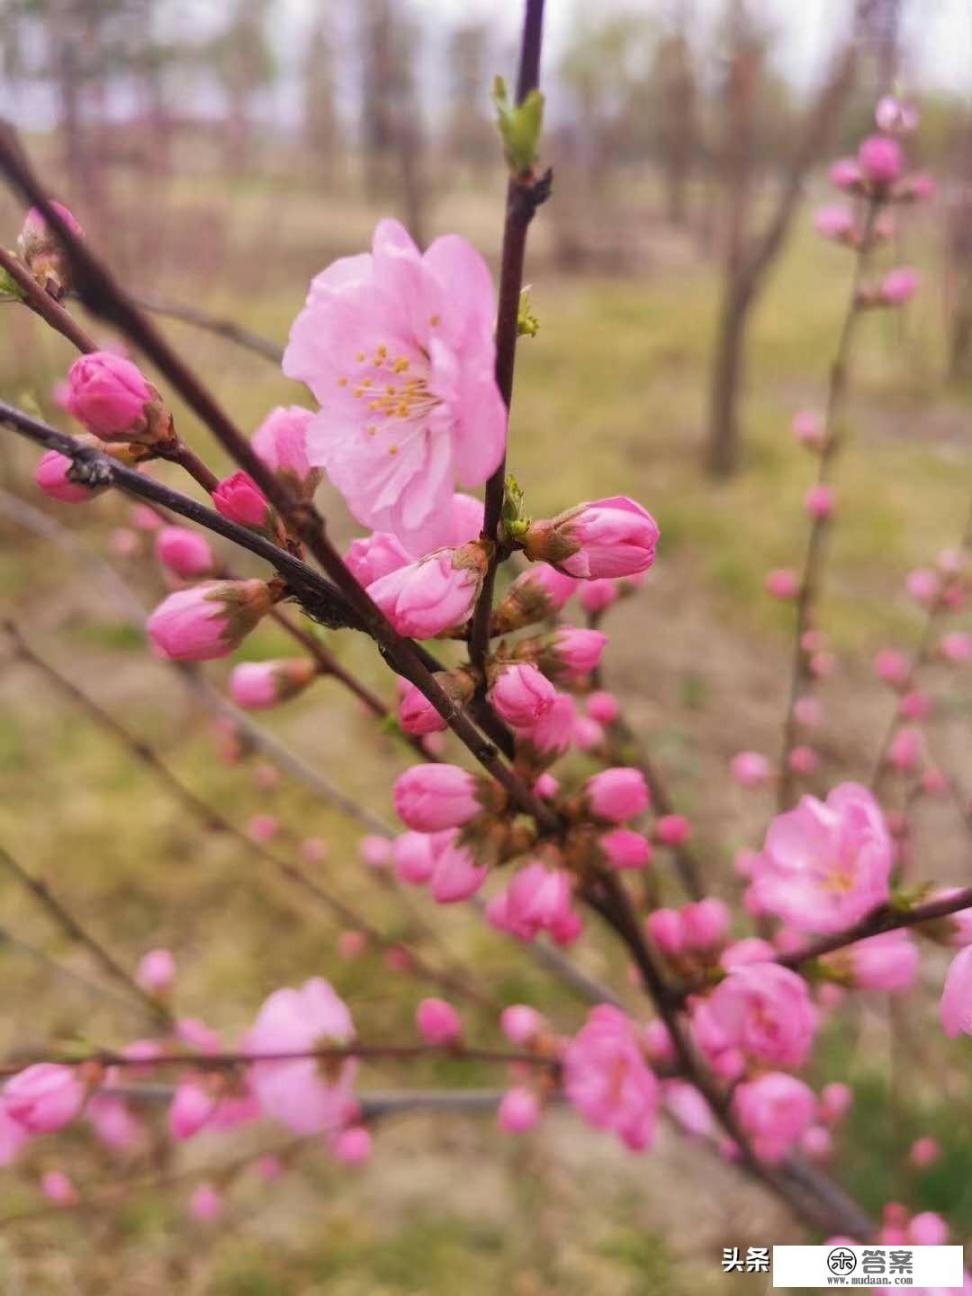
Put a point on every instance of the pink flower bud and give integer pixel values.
(156, 972)
(539, 593)
(880, 160)
(546, 786)
(281, 442)
(109, 395)
(521, 1024)
(749, 950)
(43, 1097)
(352, 1146)
(893, 667)
(626, 849)
(835, 223)
(257, 686)
(521, 695)
(604, 538)
(434, 594)
(899, 286)
(555, 731)
(845, 174)
(894, 116)
(666, 929)
(519, 1110)
(415, 857)
(750, 769)
(191, 1109)
(603, 707)
(240, 499)
(596, 596)
(58, 1188)
(51, 475)
(783, 584)
(206, 1204)
(807, 712)
(587, 734)
(905, 751)
(208, 620)
(416, 714)
(375, 556)
(573, 652)
(313, 850)
(804, 760)
(376, 851)
(672, 830)
(438, 1022)
(262, 827)
(915, 706)
(42, 253)
(924, 1152)
(184, 552)
(808, 429)
(429, 798)
(820, 502)
(836, 1100)
(956, 648)
(617, 794)
(956, 1002)
(928, 1229)
(923, 585)
(352, 944)
(705, 923)
(817, 1143)
(658, 1042)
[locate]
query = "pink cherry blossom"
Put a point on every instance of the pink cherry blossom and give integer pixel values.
(924, 1152)
(519, 1110)
(521, 1024)
(156, 972)
(750, 769)
(906, 749)
(416, 714)
(956, 647)
(108, 394)
(803, 760)
(438, 1022)
(573, 652)
(626, 849)
(305, 1094)
(397, 347)
(672, 829)
(208, 620)
(281, 443)
(58, 1188)
(429, 798)
(184, 552)
(257, 686)
(51, 475)
(836, 1100)
(414, 856)
(427, 597)
(807, 712)
(617, 794)
(924, 585)
(895, 116)
(43, 1097)
(956, 1003)
(192, 1108)
(537, 899)
(706, 923)
(607, 1079)
(521, 695)
(845, 173)
(749, 950)
(13, 1137)
(825, 864)
(892, 666)
(374, 556)
(666, 929)
(834, 222)
(597, 540)
(775, 1110)
(240, 499)
(783, 584)
(597, 596)
(352, 1146)
(880, 160)
(602, 707)
(808, 429)
(899, 286)
(206, 1204)
(820, 502)
(376, 851)
(764, 1010)
(457, 874)
(886, 962)
(42, 252)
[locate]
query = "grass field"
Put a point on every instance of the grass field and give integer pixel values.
(610, 397)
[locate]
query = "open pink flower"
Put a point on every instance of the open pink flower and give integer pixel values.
(398, 348)
(43, 1097)
(607, 1079)
(825, 864)
(762, 1009)
(305, 1094)
(775, 1110)
(537, 899)
(438, 592)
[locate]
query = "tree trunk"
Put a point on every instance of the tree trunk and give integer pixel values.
(722, 450)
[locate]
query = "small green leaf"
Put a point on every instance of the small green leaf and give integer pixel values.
(515, 521)
(519, 125)
(9, 287)
(527, 324)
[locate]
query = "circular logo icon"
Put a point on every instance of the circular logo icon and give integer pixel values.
(841, 1260)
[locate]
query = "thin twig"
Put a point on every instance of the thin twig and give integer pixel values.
(225, 328)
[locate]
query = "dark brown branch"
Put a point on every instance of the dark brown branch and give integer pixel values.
(524, 192)
(44, 305)
(75, 932)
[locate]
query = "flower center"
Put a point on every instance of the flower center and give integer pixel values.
(390, 389)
